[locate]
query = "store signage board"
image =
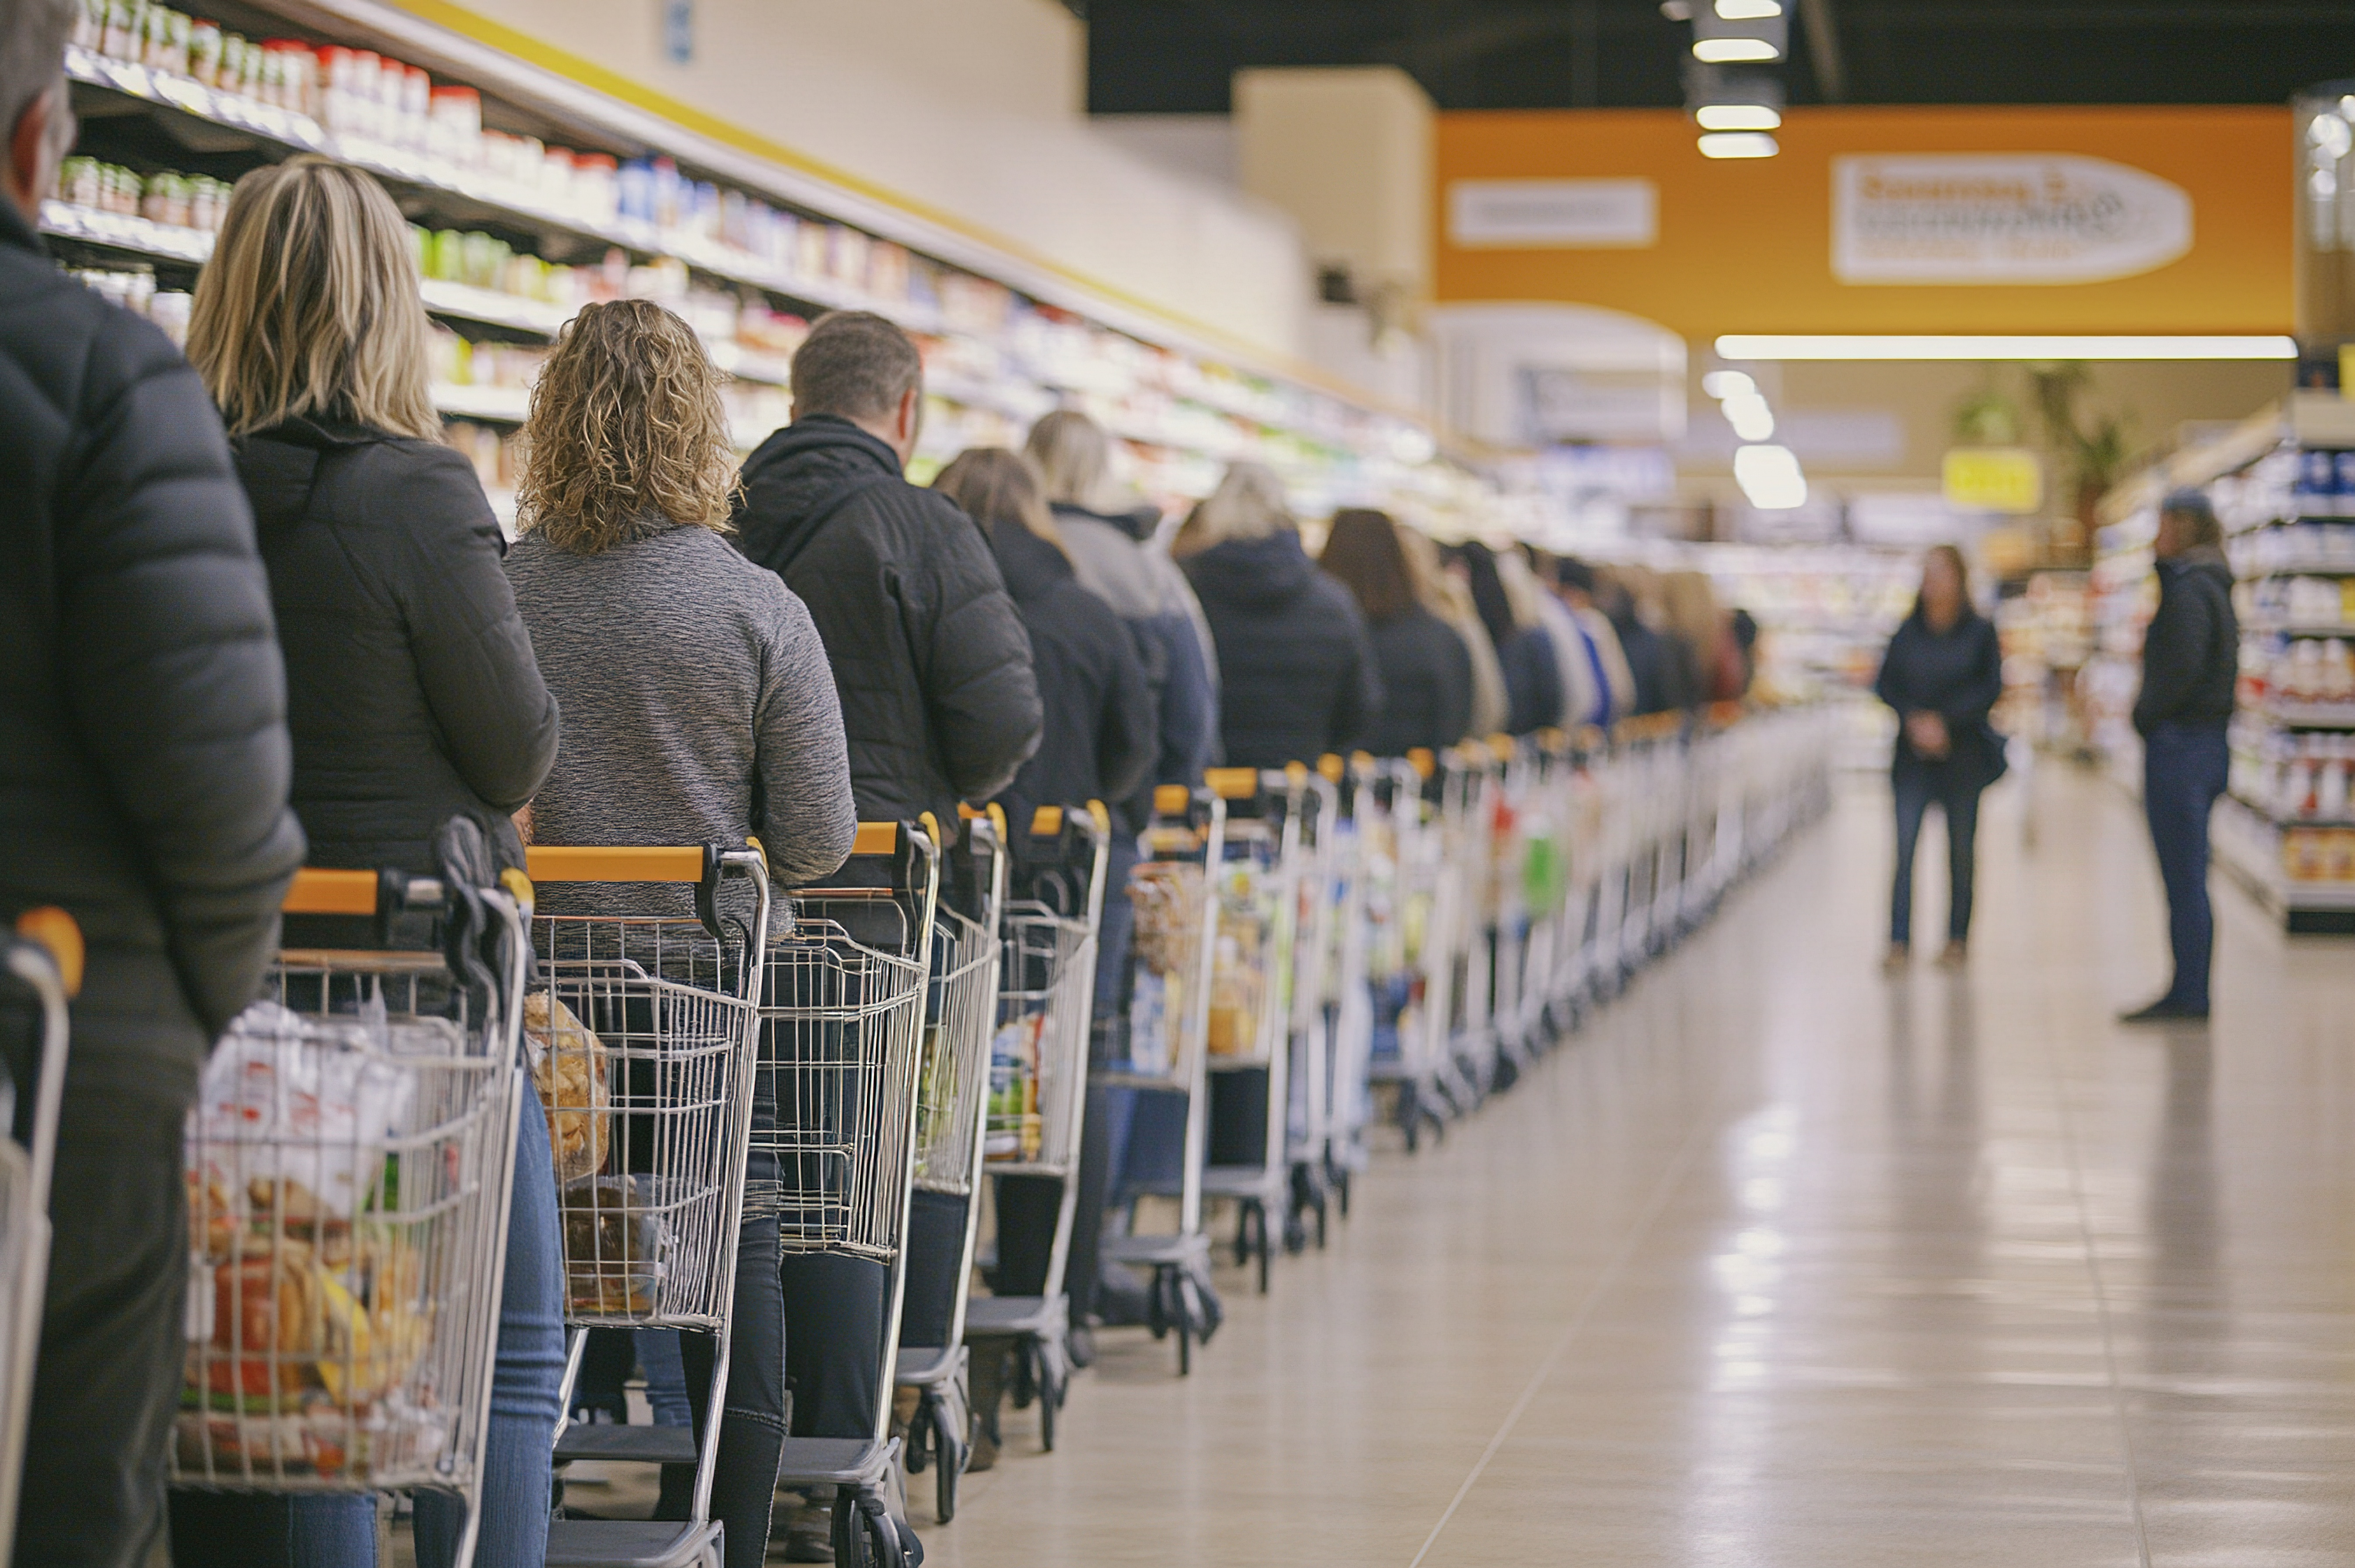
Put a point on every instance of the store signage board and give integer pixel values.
(1885, 220)
(1567, 214)
(1993, 479)
(1964, 219)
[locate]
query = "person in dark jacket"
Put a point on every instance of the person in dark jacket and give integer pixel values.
(1103, 735)
(1533, 673)
(2190, 666)
(1943, 673)
(1426, 670)
(938, 697)
(412, 698)
(1296, 670)
(1114, 557)
(143, 789)
(1653, 662)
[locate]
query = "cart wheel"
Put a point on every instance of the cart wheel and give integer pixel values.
(880, 1531)
(1181, 1287)
(954, 1449)
(1025, 1386)
(1267, 1251)
(1050, 1399)
(1341, 1185)
(1157, 1312)
(849, 1533)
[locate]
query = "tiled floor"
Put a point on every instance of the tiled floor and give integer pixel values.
(1781, 1263)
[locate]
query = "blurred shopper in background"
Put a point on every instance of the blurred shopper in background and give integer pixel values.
(1654, 666)
(1745, 639)
(1529, 570)
(1449, 597)
(1102, 739)
(144, 781)
(698, 709)
(1614, 684)
(1532, 676)
(412, 698)
(1943, 673)
(938, 697)
(1296, 670)
(1425, 669)
(1690, 605)
(1113, 556)
(2190, 665)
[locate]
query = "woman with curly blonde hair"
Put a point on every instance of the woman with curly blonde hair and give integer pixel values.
(699, 708)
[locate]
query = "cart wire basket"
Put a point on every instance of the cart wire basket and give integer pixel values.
(639, 1031)
(44, 964)
(348, 1165)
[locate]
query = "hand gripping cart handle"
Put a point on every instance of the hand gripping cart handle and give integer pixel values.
(44, 968)
(642, 1031)
(349, 1164)
(842, 1037)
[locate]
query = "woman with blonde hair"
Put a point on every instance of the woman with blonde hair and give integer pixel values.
(1296, 670)
(412, 698)
(700, 708)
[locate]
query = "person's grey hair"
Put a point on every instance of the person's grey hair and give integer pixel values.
(855, 365)
(1073, 456)
(1249, 504)
(2194, 508)
(33, 35)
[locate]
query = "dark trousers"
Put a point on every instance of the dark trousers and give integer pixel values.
(835, 1309)
(109, 1377)
(2183, 772)
(751, 1416)
(1915, 788)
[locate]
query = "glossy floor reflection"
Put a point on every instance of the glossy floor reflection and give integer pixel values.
(1782, 1263)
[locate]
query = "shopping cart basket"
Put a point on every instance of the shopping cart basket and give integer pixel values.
(1316, 801)
(842, 1034)
(1365, 875)
(640, 1031)
(1172, 958)
(1410, 909)
(956, 1087)
(1046, 996)
(44, 966)
(349, 1162)
(1469, 1057)
(1256, 893)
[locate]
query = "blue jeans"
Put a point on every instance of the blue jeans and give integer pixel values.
(1915, 788)
(2183, 772)
(339, 1531)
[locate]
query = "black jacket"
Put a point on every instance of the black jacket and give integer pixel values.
(1532, 680)
(1101, 731)
(1296, 669)
(1660, 683)
(1426, 674)
(938, 699)
(143, 756)
(2191, 650)
(1957, 673)
(411, 692)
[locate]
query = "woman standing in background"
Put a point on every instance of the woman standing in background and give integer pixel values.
(1532, 674)
(1942, 674)
(1426, 669)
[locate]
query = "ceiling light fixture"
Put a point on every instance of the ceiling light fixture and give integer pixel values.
(1819, 345)
(1737, 117)
(1769, 478)
(1749, 10)
(1739, 144)
(1734, 52)
(1751, 418)
(1728, 384)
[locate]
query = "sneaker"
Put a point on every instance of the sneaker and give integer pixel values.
(1895, 960)
(810, 1537)
(1955, 956)
(2164, 1011)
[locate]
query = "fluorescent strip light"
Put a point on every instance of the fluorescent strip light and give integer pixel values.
(1739, 144)
(1822, 346)
(1733, 51)
(1728, 384)
(1751, 418)
(1737, 117)
(1749, 10)
(1769, 478)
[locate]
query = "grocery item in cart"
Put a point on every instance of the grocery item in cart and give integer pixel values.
(1165, 897)
(568, 1069)
(286, 1096)
(617, 1243)
(1014, 1128)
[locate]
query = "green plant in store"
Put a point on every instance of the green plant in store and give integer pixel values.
(2091, 446)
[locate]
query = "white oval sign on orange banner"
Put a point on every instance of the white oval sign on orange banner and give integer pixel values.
(1978, 218)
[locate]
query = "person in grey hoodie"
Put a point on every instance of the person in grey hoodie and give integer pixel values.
(698, 707)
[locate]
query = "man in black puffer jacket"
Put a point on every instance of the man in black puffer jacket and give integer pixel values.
(143, 765)
(938, 699)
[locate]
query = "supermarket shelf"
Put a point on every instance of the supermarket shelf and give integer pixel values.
(2265, 812)
(493, 307)
(2249, 848)
(493, 405)
(119, 231)
(2311, 715)
(2299, 628)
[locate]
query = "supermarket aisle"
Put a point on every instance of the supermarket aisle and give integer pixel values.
(1784, 1263)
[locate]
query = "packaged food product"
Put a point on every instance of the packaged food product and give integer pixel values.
(568, 1069)
(287, 1095)
(616, 1244)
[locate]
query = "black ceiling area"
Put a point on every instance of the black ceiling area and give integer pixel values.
(1175, 56)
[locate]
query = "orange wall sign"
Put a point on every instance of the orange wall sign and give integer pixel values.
(1900, 220)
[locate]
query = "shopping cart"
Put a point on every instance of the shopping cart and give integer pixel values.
(349, 1162)
(1410, 908)
(1046, 996)
(1172, 957)
(956, 1088)
(1506, 779)
(1256, 893)
(842, 1034)
(1365, 876)
(43, 962)
(640, 1028)
(1467, 830)
(1315, 799)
